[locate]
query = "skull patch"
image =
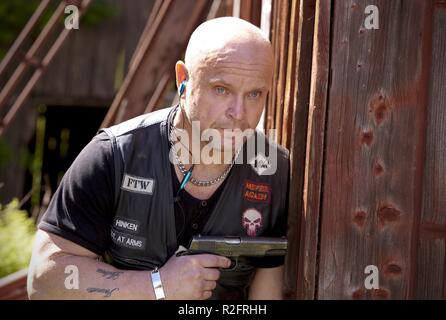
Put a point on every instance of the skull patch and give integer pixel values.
(252, 220)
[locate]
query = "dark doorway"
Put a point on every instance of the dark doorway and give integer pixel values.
(65, 132)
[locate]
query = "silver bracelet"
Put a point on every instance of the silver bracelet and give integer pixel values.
(157, 284)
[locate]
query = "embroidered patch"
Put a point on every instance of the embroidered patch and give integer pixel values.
(127, 240)
(126, 224)
(257, 192)
(138, 184)
(260, 164)
(252, 221)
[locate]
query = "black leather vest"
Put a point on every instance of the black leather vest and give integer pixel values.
(143, 232)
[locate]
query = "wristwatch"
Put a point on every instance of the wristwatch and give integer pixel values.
(157, 284)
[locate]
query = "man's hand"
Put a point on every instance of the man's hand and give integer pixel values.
(185, 277)
(192, 277)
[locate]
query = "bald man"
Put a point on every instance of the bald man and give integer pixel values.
(142, 189)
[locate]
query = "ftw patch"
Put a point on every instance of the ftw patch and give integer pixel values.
(257, 192)
(138, 184)
(127, 240)
(125, 224)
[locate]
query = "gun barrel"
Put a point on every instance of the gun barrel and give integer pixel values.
(240, 246)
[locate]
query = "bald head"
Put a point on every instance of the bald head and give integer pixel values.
(228, 71)
(220, 38)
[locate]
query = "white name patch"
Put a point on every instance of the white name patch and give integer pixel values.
(126, 224)
(127, 240)
(138, 184)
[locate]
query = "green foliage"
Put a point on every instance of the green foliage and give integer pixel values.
(5, 153)
(99, 11)
(16, 236)
(13, 17)
(15, 14)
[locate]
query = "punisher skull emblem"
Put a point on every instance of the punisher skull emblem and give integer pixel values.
(252, 220)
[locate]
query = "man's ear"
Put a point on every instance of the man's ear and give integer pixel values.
(181, 73)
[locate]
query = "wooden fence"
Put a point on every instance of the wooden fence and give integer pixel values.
(369, 184)
(363, 113)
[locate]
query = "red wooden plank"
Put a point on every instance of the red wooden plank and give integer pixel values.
(432, 255)
(250, 10)
(298, 130)
(24, 94)
(165, 42)
(290, 77)
(375, 141)
(36, 47)
(122, 97)
(315, 152)
(13, 286)
(18, 42)
(271, 105)
(283, 25)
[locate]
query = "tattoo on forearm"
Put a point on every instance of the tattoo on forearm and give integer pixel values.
(107, 292)
(113, 275)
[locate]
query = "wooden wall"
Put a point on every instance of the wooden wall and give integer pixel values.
(87, 71)
(431, 260)
(363, 114)
(375, 149)
(93, 61)
(292, 28)
(374, 184)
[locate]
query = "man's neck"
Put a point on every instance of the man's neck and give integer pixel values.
(202, 171)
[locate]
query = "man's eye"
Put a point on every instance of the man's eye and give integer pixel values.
(220, 90)
(255, 94)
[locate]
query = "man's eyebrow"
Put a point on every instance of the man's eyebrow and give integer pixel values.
(219, 80)
(223, 82)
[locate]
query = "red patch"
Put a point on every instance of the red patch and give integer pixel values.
(257, 192)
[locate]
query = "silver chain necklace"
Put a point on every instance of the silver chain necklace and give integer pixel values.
(183, 169)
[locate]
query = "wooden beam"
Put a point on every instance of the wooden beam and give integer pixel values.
(270, 108)
(124, 93)
(157, 55)
(283, 29)
(307, 279)
(290, 76)
(250, 10)
(298, 133)
(38, 44)
(12, 52)
(13, 286)
(374, 150)
(155, 11)
(431, 271)
(159, 92)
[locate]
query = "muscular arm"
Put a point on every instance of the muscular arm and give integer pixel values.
(267, 284)
(97, 280)
(189, 277)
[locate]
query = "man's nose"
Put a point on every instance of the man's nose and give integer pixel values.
(236, 110)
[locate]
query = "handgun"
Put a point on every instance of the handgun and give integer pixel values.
(236, 248)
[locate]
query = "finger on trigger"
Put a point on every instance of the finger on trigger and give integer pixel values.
(224, 262)
(214, 261)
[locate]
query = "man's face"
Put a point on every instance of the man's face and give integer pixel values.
(227, 89)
